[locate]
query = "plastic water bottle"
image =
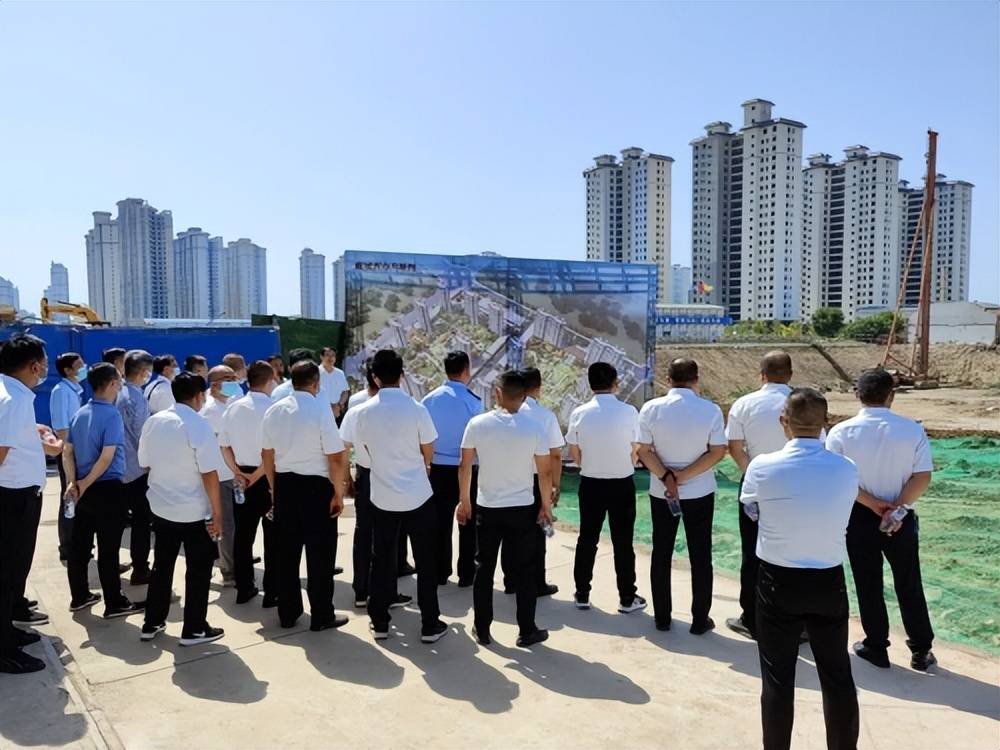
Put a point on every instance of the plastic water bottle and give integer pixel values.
(547, 528)
(674, 505)
(239, 497)
(208, 522)
(752, 511)
(270, 514)
(70, 509)
(887, 522)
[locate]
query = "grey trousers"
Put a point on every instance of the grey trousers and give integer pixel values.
(226, 564)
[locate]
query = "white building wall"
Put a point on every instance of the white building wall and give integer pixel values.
(244, 279)
(680, 284)
(146, 237)
(196, 274)
(312, 284)
(339, 289)
(58, 288)
(105, 269)
(8, 294)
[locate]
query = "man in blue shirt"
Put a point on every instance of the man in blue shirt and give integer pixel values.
(451, 406)
(95, 464)
(64, 401)
(134, 409)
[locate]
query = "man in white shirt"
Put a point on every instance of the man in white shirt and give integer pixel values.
(224, 388)
(24, 366)
(333, 382)
(64, 402)
(682, 438)
(803, 495)
(277, 363)
(603, 439)
(508, 444)
(893, 457)
(451, 406)
(554, 437)
(399, 435)
(285, 389)
(754, 427)
(240, 435)
(158, 392)
(181, 451)
(305, 462)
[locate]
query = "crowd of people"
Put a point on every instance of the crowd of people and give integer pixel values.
(209, 457)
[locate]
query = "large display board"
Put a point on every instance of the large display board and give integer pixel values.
(558, 316)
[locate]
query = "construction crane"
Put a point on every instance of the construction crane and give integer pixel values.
(916, 371)
(81, 312)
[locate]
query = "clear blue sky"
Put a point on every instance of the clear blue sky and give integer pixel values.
(450, 127)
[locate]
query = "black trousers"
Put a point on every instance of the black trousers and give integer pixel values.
(63, 525)
(19, 513)
(199, 556)
(614, 499)
(100, 513)
(420, 524)
(787, 600)
(364, 534)
(507, 562)
(866, 546)
(697, 517)
(748, 567)
(246, 519)
(444, 484)
(514, 528)
(302, 519)
(138, 505)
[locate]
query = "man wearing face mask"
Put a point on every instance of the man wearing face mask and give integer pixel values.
(23, 366)
(223, 389)
(158, 392)
(64, 402)
(134, 409)
(183, 457)
(94, 455)
(238, 365)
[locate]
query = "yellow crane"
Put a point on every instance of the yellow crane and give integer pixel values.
(80, 312)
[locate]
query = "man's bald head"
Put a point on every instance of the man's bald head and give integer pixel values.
(776, 367)
(220, 373)
(805, 413)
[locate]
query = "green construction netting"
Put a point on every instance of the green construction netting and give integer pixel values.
(959, 537)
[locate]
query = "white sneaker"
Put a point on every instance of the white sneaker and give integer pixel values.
(149, 632)
(379, 634)
(207, 635)
(581, 601)
(635, 605)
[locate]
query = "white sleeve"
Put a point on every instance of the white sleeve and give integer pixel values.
(573, 429)
(833, 442)
(425, 426)
(718, 435)
(206, 448)
(734, 428)
(646, 425)
(469, 436)
(555, 438)
(635, 424)
(922, 460)
(329, 437)
(142, 454)
(748, 493)
(541, 442)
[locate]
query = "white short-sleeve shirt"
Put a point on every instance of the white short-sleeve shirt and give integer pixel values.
(159, 394)
(301, 431)
(24, 465)
(212, 411)
(391, 426)
(242, 426)
(358, 398)
(887, 448)
(178, 445)
(506, 445)
(284, 390)
(604, 429)
(804, 495)
(347, 431)
(681, 426)
(548, 422)
(333, 384)
(754, 418)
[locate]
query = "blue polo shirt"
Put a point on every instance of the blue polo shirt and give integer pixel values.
(451, 406)
(96, 426)
(64, 401)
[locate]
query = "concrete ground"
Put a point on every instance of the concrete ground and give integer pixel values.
(603, 679)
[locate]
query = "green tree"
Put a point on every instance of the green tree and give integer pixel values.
(874, 328)
(828, 321)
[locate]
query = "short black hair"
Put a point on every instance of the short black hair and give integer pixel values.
(64, 361)
(512, 383)
(601, 376)
(874, 386)
(112, 354)
(162, 361)
(455, 363)
(186, 386)
(101, 375)
(276, 356)
(192, 361)
(19, 351)
(532, 378)
(806, 408)
(326, 349)
(300, 355)
(369, 377)
(683, 370)
(387, 366)
(259, 373)
(304, 374)
(137, 360)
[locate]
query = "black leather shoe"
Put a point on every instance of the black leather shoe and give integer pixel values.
(139, 577)
(18, 662)
(24, 638)
(663, 625)
(405, 570)
(248, 596)
(464, 583)
(337, 570)
(530, 639)
(700, 628)
(269, 602)
(338, 621)
(878, 658)
(482, 636)
(737, 625)
(549, 589)
(923, 660)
